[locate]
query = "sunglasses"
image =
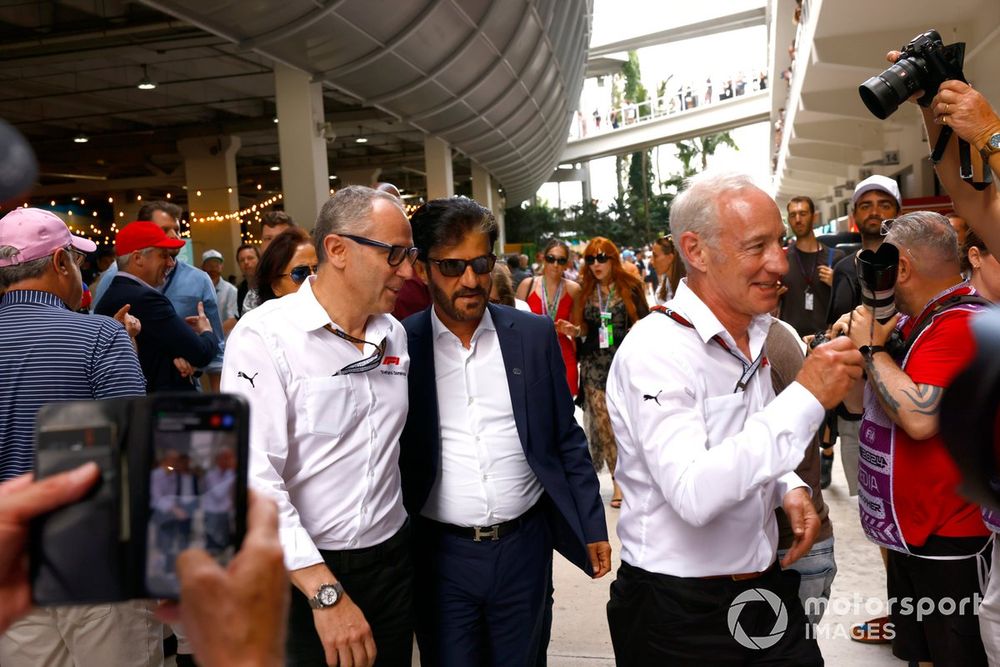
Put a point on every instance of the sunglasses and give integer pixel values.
(397, 253)
(78, 257)
(886, 226)
(453, 268)
(552, 259)
(298, 274)
(600, 258)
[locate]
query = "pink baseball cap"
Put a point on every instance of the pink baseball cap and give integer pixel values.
(36, 234)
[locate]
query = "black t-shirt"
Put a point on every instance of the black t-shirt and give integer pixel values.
(846, 295)
(807, 300)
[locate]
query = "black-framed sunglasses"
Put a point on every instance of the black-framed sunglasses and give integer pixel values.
(453, 268)
(78, 256)
(397, 253)
(600, 258)
(552, 259)
(298, 274)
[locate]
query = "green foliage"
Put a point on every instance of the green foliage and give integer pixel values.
(527, 224)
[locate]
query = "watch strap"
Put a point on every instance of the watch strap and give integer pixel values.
(991, 146)
(316, 603)
(869, 351)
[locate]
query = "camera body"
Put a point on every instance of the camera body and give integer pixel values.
(173, 475)
(924, 64)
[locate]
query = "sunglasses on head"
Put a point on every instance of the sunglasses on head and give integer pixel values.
(298, 274)
(453, 268)
(552, 259)
(600, 258)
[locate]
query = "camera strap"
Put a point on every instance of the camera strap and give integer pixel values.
(928, 316)
(964, 159)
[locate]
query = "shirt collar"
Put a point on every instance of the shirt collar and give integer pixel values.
(707, 325)
(305, 311)
(130, 276)
(32, 296)
(439, 329)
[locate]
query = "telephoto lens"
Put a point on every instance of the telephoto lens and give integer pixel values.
(883, 93)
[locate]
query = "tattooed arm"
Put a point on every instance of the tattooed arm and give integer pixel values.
(913, 407)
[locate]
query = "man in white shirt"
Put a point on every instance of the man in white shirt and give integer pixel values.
(706, 452)
(324, 370)
(495, 469)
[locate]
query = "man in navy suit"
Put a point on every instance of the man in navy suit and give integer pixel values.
(143, 256)
(495, 470)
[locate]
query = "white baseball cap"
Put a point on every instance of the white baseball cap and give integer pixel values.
(211, 254)
(881, 183)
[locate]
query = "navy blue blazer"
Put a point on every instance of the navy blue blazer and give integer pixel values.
(554, 444)
(163, 337)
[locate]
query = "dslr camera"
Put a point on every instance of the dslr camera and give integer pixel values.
(925, 63)
(173, 476)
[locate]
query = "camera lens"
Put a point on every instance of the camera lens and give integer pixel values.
(884, 93)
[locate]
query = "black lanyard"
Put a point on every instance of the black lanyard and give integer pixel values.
(749, 370)
(362, 365)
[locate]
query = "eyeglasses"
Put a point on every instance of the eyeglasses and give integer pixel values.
(298, 274)
(552, 259)
(600, 258)
(78, 257)
(886, 226)
(453, 268)
(397, 253)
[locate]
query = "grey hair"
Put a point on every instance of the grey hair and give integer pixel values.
(348, 212)
(696, 208)
(10, 275)
(930, 235)
(123, 260)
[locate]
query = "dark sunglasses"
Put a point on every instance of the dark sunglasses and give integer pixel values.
(453, 268)
(552, 259)
(600, 258)
(397, 253)
(298, 274)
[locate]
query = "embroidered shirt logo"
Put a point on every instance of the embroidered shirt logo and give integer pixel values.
(649, 397)
(390, 361)
(248, 378)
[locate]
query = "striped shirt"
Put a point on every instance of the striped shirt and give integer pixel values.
(49, 353)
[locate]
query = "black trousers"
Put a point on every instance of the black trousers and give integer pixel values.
(656, 619)
(379, 580)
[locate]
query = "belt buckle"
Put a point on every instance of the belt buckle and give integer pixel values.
(492, 532)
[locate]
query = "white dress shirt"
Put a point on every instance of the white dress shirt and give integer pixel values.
(702, 468)
(225, 292)
(325, 446)
(484, 477)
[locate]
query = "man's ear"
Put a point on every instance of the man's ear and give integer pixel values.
(905, 271)
(61, 260)
(420, 268)
(336, 250)
(694, 249)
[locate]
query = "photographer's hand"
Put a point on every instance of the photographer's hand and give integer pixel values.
(963, 108)
(236, 615)
(21, 499)
(865, 330)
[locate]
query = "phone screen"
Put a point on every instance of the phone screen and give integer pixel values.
(194, 494)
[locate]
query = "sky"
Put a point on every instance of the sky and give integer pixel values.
(692, 61)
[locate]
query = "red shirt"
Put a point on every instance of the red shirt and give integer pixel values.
(924, 475)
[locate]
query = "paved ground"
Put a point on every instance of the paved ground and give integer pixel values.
(580, 631)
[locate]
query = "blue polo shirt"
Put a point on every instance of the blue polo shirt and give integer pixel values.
(48, 354)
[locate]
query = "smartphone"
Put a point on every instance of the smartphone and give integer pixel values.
(196, 492)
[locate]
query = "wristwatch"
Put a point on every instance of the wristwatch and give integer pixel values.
(991, 146)
(869, 351)
(326, 596)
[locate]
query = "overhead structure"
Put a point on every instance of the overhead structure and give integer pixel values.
(496, 80)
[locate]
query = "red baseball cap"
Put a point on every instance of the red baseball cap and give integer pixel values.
(35, 234)
(143, 234)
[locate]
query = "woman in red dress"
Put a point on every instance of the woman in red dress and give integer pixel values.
(553, 295)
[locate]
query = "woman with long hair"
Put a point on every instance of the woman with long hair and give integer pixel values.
(288, 261)
(553, 295)
(668, 265)
(610, 301)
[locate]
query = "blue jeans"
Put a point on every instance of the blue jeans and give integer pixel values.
(818, 568)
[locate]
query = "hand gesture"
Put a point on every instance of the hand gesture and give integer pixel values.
(865, 330)
(963, 108)
(830, 370)
(183, 367)
(131, 323)
(345, 633)
(804, 521)
(826, 275)
(199, 322)
(600, 558)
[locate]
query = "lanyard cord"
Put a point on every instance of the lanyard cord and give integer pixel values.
(548, 307)
(362, 365)
(600, 302)
(808, 277)
(749, 370)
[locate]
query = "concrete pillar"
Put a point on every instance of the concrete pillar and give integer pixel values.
(483, 192)
(499, 206)
(366, 176)
(585, 183)
(210, 169)
(305, 176)
(440, 176)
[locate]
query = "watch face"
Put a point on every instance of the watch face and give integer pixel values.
(327, 595)
(994, 142)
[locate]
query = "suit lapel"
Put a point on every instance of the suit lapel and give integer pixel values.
(512, 350)
(422, 367)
